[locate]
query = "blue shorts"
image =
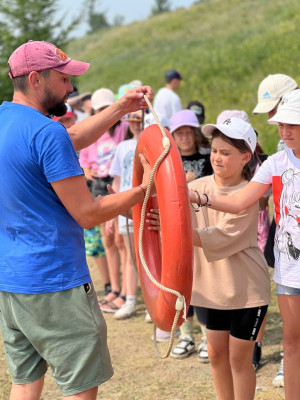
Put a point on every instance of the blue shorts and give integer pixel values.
(281, 289)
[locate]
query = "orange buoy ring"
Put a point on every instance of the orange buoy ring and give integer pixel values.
(169, 258)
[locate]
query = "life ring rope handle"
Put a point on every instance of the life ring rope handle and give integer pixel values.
(180, 302)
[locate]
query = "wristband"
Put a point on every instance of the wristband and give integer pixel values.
(143, 190)
(199, 205)
(207, 201)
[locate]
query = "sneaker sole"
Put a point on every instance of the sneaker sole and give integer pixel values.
(182, 356)
(125, 316)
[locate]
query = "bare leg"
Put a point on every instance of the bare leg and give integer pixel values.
(289, 309)
(102, 266)
(131, 274)
(90, 394)
(113, 259)
(243, 374)
(218, 351)
(28, 391)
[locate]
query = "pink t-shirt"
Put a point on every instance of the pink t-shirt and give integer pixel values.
(100, 154)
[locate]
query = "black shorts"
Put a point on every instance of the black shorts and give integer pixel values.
(243, 323)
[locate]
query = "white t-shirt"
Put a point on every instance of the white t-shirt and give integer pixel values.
(122, 166)
(166, 103)
(282, 170)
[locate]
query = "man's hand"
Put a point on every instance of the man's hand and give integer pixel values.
(134, 100)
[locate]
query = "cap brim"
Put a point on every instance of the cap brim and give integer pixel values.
(101, 105)
(265, 106)
(133, 119)
(285, 117)
(184, 124)
(73, 67)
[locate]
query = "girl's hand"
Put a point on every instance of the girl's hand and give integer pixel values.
(153, 220)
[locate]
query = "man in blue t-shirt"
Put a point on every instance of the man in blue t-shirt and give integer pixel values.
(49, 314)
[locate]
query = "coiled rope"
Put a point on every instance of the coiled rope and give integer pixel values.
(180, 302)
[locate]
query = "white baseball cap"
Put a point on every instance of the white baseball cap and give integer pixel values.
(288, 111)
(102, 98)
(234, 128)
(271, 90)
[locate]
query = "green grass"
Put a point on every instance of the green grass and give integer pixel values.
(223, 48)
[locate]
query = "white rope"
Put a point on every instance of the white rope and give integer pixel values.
(180, 302)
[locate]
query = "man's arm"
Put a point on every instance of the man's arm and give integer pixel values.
(90, 129)
(89, 211)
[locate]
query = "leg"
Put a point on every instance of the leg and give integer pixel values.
(243, 373)
(129, 308)
(28, 391)
(102, 266)
(113, 259)
(218, 351)
(90, 394)
(289, 306)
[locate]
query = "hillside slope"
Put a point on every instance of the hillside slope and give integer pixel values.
(223, 48)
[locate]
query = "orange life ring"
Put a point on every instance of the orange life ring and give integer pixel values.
(169, 259)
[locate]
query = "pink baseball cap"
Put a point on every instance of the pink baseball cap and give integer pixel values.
(183, 118)
(39, 56)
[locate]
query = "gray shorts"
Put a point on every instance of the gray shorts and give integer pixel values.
(281, 289)
(64, 330)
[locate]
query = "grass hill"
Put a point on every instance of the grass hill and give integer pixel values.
(223, 48)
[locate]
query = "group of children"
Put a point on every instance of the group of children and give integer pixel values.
(231, 285)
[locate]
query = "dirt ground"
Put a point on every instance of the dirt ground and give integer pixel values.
(140, 375)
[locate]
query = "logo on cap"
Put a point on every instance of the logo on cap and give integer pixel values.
(266, 95)
(61, 54)
(227, 121)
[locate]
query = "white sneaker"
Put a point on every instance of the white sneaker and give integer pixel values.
(148, 318)
(202, 350)
(127, 310)
(279, 377)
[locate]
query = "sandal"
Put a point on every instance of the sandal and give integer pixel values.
(111, 298)
(111, 307)
(184, 348)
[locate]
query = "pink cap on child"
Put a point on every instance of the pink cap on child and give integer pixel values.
(40, 56)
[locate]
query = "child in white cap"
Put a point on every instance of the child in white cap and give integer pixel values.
(231, 277)
(282, 171)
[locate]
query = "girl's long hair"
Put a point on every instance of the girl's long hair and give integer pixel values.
(243, 148)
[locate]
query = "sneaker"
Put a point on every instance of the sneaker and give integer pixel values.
(127, 310)
(256, 356)
(202, 350)
(148, 319)
(163, 336)
(279, 377)
(184, 348)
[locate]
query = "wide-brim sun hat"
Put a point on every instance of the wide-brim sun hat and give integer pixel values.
(235, 128)
(288, 111)
(183, 118)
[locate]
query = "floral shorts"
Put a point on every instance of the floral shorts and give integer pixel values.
(93, 242)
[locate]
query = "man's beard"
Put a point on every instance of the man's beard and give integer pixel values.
(53, 105)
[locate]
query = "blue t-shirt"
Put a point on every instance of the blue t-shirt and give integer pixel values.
(41, 245)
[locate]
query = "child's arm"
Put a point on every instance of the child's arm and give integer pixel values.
(247, 196)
